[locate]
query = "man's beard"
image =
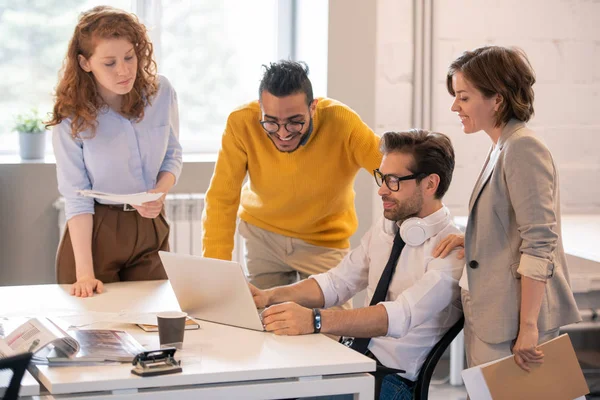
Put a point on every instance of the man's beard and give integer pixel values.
(409, 208)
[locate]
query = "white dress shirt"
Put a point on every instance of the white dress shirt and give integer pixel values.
(423, 299)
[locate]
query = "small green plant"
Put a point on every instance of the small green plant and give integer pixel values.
(29, 122)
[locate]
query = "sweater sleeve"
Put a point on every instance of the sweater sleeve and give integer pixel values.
(363, 145)
(223, 196)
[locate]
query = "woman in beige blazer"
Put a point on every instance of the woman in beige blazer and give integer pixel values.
(515, 288)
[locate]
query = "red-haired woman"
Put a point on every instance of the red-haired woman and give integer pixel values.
(115, 129)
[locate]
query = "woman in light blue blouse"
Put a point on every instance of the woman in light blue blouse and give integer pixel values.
(115, 129)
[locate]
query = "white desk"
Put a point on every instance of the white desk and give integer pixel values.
(218, 361)
(29, 386)
(581, 241)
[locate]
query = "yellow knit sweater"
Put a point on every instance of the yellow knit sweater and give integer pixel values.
(307, 194)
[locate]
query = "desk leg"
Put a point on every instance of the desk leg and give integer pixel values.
(457, 356)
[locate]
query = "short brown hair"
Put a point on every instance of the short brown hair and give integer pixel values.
(499, 70)
(432, 154)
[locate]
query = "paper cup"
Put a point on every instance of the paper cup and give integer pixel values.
(171, 326)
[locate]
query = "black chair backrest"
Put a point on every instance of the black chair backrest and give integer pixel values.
(422, 385)
(18, 364)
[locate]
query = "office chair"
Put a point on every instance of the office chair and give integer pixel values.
(18, 364)
(422, 385)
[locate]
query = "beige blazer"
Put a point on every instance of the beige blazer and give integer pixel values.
(514, 230)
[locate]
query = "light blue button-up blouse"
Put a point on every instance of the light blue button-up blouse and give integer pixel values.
(123, 157)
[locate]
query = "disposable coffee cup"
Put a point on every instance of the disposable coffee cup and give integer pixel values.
(171, 326)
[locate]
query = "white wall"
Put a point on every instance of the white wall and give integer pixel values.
(350, 79)
(394, 71)
(562, 40)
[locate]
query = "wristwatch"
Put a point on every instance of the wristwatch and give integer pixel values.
(317, 320)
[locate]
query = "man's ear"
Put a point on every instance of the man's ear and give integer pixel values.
(84, 63)
(313, 107)
(432, 182)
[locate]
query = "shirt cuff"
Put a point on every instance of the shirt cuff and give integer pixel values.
(173, 167)
(398, 313)
(78, 206)
(326, 284)
(536, 268)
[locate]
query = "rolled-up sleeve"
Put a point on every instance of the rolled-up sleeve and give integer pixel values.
(436, 290)
(70, 171)
(341, 283)
(531, 180)
(173, 158)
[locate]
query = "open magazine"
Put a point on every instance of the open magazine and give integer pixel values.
(52, 345)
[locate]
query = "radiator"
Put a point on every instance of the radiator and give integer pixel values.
(184, 214)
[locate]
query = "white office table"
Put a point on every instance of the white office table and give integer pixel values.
(29, 386)
(218, 361)
(581, 241)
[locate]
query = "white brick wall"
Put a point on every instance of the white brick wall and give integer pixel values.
(562, 40)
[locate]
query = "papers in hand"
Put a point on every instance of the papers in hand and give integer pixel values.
(559, 377)
(135, 199)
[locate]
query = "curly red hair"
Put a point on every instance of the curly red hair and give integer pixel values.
(76, 93)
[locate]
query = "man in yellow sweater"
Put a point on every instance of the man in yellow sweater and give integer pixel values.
(302, 155)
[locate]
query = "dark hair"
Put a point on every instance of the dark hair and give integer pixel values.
(432, 154)
(499, 70)
(285, 78)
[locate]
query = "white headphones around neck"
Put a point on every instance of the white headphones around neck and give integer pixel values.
(415, 231)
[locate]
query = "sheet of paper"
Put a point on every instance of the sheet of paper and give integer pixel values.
(90, 318)
(135, 199)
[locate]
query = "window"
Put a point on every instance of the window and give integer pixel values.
(211, 51)
(35, 37)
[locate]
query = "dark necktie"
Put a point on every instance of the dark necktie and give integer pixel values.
(361, 344)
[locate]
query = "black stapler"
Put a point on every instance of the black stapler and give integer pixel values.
(156, 362)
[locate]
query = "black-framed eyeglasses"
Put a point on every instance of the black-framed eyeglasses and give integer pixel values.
(393, 181)
(273, 127)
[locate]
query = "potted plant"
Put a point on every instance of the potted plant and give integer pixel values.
(32, 138)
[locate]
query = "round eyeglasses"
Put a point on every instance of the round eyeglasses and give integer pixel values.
(393, 181)
(273, 127)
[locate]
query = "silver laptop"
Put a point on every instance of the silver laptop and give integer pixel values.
(212, 290)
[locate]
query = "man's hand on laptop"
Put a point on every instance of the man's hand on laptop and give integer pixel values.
(288, 319)
(261, 297)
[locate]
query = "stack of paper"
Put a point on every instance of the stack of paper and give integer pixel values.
(135, 199)
(559, 377)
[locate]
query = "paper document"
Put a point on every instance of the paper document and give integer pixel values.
(559, 377)
(98, 345)
(135, 199)
(94, 317)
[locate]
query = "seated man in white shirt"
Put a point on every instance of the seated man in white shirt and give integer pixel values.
(411, 310)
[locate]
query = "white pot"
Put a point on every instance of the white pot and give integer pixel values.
(32, 146)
